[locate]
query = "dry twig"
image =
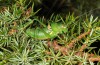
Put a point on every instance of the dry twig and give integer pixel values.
(71, 44)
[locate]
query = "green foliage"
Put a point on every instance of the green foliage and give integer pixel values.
(17, 48)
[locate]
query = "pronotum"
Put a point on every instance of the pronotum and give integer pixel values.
(47, 33)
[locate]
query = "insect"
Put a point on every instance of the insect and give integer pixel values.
(47, 33)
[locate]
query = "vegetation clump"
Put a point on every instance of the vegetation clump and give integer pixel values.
(71, 47)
